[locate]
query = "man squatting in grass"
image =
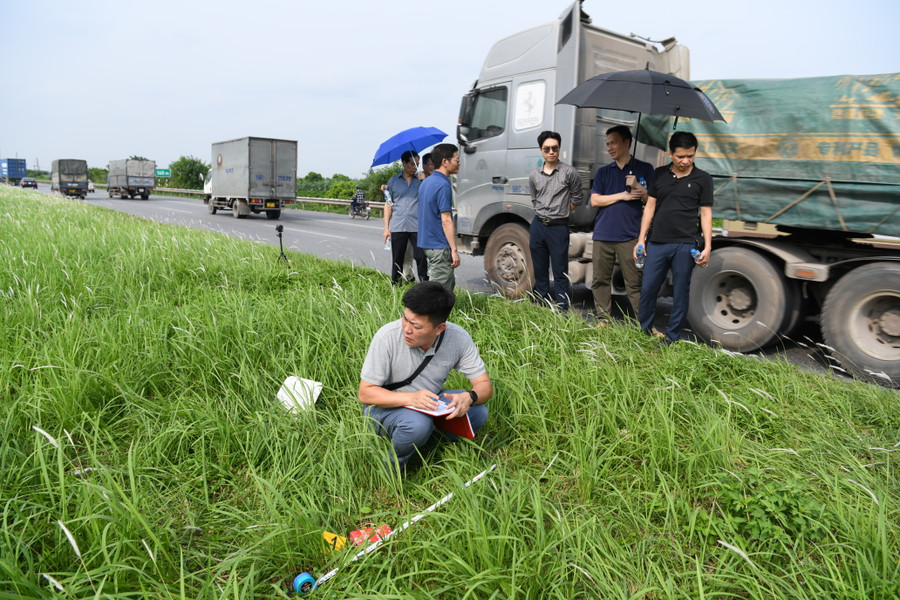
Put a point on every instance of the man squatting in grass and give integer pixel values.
(396, 352)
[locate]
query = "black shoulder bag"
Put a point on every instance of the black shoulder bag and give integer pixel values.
(399, 384)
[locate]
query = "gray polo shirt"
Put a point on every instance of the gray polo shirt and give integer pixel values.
(389, 359)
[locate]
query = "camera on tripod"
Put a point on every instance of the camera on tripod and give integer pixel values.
(278, 230)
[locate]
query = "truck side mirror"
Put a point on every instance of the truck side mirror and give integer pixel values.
(462, 134)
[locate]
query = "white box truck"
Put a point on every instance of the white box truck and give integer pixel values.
(252, 175)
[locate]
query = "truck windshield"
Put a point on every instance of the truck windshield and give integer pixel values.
(486, 114)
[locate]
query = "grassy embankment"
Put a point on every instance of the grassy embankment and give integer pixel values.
(143, 453)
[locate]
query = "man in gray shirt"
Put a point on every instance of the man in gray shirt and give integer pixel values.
(396, 353)
(555, 191)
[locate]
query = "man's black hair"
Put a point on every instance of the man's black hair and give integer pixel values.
(430, 299)
(407, 156)
(442, 151)
(427, 157)
(623, 131)
(682, 139)
(547, 135)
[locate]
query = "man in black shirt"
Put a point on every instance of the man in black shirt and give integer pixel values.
(679, 193)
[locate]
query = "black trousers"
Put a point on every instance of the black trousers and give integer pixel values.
(399, 240)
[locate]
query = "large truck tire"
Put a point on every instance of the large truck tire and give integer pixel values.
(211, 207)
(507, 260)
(273, 214)
(861, 322)
(145, 196)
(742, 301)
(240, 209)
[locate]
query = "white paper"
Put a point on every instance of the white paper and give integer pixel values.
(299, 394)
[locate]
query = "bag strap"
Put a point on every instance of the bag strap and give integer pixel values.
(399, 384)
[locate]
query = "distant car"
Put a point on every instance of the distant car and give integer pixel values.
(28, 182)
(90, 186)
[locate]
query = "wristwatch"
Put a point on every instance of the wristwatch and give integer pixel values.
(474, 396)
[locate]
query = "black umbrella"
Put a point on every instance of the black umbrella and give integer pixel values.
(645, 92)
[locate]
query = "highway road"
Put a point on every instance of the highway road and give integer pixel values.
(326, 235)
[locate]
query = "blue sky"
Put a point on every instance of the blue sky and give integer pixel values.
(104, 80)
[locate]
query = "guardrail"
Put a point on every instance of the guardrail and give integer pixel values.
(188, 192)
(324, 201)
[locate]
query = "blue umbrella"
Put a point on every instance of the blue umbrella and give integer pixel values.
(415, 139)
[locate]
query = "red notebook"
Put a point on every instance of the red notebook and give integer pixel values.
(460, 426)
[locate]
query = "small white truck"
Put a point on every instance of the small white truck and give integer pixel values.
(252, 175)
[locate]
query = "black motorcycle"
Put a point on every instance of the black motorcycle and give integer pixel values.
(360, 209)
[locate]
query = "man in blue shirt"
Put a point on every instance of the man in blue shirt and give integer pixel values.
(401, 217)
(620, 190)
(437, 233)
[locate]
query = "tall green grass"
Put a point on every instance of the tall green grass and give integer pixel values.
(143, 453)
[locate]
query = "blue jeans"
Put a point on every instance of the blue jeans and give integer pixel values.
(409, 430)
(549, 247)
(661, 258)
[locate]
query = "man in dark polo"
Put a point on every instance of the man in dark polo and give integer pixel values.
(679, 207)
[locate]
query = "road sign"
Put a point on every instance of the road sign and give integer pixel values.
(164, 172)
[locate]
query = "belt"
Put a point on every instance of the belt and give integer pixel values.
(551, 222)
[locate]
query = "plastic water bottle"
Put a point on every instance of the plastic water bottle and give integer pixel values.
(695, 254)
(388, 198)
(387, 244)
(643, 182)
(639, 263)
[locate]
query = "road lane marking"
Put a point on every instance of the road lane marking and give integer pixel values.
(295, 230)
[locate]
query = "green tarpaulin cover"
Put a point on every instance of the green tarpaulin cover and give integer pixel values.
(820, 152)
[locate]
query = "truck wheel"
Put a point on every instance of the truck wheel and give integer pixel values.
(861, 321)
(507, 260)
(273, 214)
(236, 210)
(211, 207)
(145, 196)
(109, 193)
(742, 301)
